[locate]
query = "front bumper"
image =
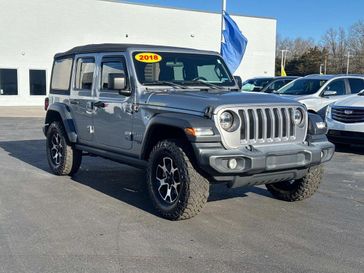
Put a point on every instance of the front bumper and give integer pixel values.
(264, 164)
(350, 133)
(346, 137)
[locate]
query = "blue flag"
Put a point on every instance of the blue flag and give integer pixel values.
(234, 46)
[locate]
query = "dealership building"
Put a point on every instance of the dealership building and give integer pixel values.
(33, 31)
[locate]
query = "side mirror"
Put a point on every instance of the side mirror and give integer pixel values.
(238, 81)
(258, 88)
(118, 81)
(330, 93)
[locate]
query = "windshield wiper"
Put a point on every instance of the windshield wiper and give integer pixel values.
(166, 83)
(212, 86)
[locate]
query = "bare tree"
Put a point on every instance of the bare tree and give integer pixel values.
(335, 42)
(356, 46)
(333, 51)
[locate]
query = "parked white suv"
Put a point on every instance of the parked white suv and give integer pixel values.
(318, 91)
(345, 120)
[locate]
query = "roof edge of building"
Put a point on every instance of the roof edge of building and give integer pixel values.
(184, 9)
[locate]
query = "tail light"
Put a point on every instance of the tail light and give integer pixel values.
(46, 104)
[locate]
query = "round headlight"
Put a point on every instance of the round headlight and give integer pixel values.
(298, 117)
(226, 120)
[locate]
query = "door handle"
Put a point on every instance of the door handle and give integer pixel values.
(75, 102)
(99, 104)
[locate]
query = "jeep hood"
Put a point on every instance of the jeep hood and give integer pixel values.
(198, 101)
(298, 97)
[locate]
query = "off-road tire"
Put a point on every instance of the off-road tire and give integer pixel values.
(71, 158)
(300, 189)
(194, 189)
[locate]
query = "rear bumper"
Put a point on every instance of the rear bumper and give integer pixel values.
(262, 165)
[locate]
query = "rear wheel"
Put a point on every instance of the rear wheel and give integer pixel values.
(176, 189)
(296, 190)
(63, 159)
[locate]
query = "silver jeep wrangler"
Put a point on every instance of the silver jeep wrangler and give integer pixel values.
(178, 114)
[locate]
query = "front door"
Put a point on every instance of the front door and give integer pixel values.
(112, 111)
(81, 99)
(340, 87)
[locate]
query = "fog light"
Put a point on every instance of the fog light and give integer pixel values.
(321, 125)
(232, 164)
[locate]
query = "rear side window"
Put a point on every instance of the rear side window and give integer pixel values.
(61, 76)
(85, 73)
(356, 85)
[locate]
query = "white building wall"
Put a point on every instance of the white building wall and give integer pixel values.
(33, 31)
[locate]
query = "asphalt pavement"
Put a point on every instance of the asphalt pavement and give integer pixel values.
(101, 219)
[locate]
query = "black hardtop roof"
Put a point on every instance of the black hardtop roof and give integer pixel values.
(98, 48)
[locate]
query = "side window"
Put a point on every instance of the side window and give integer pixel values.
(8, 82)
(61, 76)
(338, 86)
(356, 85)
(85, 69)
(276, 85)
(111, 67)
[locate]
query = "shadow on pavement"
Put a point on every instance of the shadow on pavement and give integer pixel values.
(124, 183)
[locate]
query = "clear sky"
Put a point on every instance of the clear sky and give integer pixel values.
(296, 18)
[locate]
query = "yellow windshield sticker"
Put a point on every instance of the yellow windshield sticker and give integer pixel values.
(147, 57)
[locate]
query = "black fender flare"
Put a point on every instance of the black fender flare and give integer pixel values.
(180, 121)
(64, 112)
(314, 133)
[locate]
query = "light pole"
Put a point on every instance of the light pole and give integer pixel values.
(222, 19)
(321, 65)
(348, 63)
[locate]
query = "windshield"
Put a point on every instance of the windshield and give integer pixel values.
(302, 87)
(251, 85)
(181, 69)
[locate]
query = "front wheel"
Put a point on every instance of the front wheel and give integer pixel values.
(300, 189)
(176, 189)
(63, 159)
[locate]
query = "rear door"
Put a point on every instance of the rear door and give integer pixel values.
(113, 116)
(82, 96)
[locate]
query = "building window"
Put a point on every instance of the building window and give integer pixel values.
(8, 82)
(37, 82)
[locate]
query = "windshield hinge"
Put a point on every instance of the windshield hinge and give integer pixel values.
(209, 112)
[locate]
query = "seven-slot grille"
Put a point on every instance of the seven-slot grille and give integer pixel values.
(348, 115)
(267, 125)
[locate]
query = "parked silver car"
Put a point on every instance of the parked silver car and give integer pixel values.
(345, 120)
(316, 92)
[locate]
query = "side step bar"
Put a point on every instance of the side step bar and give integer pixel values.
(127, 160)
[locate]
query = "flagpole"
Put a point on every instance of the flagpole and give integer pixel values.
(222, 19)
